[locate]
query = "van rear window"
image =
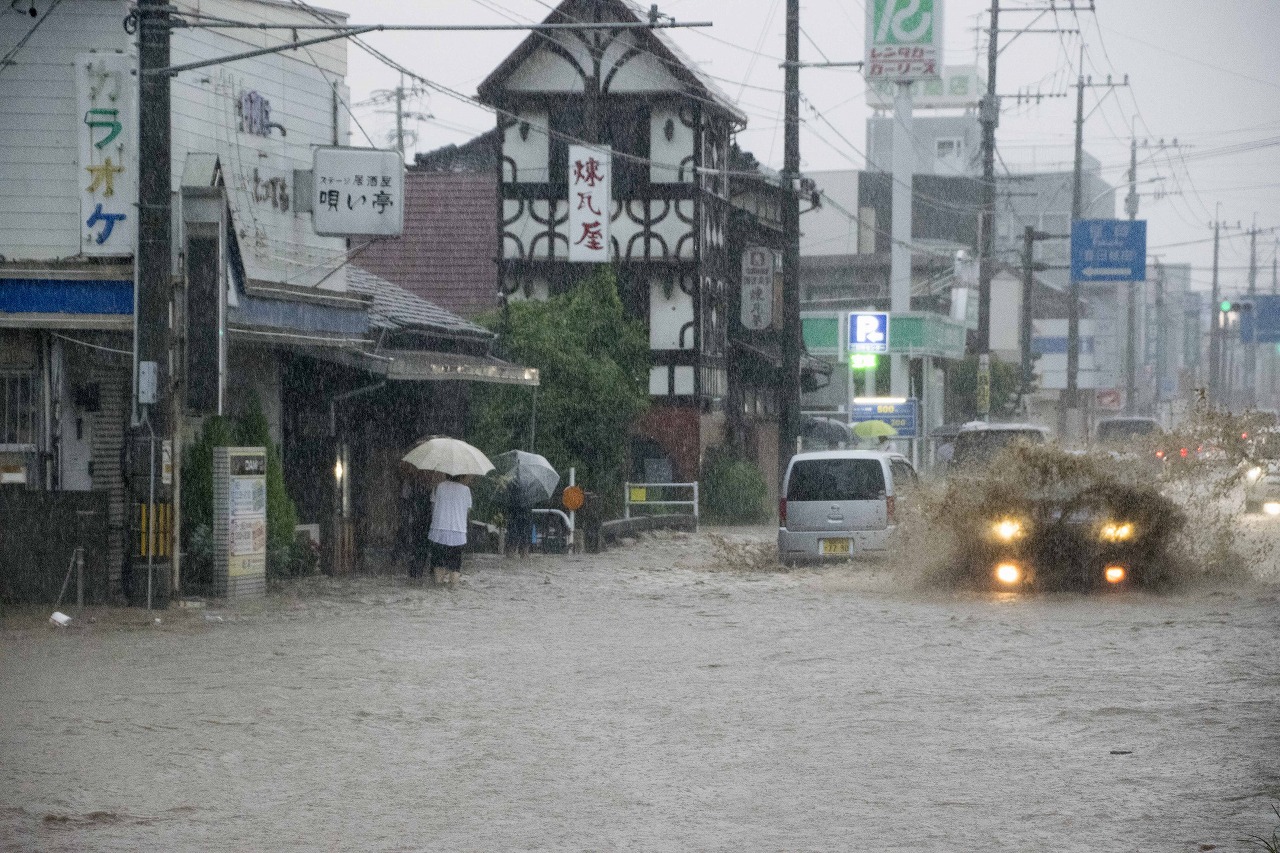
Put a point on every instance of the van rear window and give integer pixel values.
(836, 480)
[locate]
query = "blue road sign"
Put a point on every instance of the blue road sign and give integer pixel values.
(869, 331)
(1109, 250)
(903, 416)
(1259, 318)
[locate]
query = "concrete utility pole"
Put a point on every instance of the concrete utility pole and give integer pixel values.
(1029, 268)
(1070, 397)
(1069, 405)
(988, 117)
(789, 390)
(1251, 346)
(1131, 324)
(1161, 337)
(154, 373)
(1215, 331)
(901, 175)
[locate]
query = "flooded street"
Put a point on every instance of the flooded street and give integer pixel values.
(652, 698)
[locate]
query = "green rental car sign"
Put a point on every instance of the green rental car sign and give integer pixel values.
(904, 39)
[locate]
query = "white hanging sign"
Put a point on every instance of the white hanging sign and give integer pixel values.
(108, 174)
(358, 191)
(590, 174)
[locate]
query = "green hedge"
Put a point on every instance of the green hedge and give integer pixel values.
(733, 490)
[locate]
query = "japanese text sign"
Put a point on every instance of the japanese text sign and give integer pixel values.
(869, 331)
(758, 264)
(904, 40)
(359, 191)
(107, 176)
(902, 415)
(590, 171)
(1109, 250)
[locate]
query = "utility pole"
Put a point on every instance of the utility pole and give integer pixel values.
(1029, 268)
(1161, 337)
(988, 117)
(1070, 397)
(154, 374)
(400, 116)
(789, 391)
(1069, 405)
(1215, 331)
(1131, 325)
(1251, 347)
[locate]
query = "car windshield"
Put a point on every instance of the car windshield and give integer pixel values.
(1123, 430)
(981, 444)
(836, 480)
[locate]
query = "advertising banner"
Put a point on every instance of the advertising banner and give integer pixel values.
(358, 192)
(108, 175)
(590, 192)
(758, 265)
(904, 40)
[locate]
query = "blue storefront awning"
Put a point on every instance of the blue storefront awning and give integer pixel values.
(66, 296)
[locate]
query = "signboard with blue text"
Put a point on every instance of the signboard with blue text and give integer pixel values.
(902, 415)
(1109, 250)
(869, 331)
(1259, 318)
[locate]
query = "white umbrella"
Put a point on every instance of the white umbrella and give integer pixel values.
(450, 456)
(526, 479)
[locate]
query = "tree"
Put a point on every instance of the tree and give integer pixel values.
(962, 389)
(593, 363)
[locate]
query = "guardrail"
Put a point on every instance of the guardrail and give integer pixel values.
(657, 495)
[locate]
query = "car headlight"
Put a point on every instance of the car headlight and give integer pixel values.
(1116, 531)
(1114, 574)
(1007, 529)
(1008, 573)
(1271, 508)
(1253, 474)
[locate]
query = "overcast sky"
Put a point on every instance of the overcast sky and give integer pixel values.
(1201, 72)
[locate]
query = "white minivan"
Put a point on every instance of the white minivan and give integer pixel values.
(840, 503)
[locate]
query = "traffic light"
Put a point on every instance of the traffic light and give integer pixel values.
(1225, 307)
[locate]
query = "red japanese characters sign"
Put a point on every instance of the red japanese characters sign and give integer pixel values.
(590, 170)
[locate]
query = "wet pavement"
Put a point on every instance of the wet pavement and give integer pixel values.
(673, 694)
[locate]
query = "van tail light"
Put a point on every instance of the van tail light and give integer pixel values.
(889, 507)
(1183, 453)
(782, 512)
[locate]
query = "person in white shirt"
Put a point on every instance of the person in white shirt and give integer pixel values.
(450, 503)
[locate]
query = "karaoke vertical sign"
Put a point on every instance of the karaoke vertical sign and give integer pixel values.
(590, 174)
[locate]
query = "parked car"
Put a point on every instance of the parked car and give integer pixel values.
(837, 504)
(978, 442)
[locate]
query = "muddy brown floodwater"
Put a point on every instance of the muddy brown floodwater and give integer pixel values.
(657, 697)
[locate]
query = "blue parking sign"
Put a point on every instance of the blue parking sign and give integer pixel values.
(1109, 250)
(869, 331)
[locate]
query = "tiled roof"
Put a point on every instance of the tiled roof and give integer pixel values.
(448, 252)
(395, 308)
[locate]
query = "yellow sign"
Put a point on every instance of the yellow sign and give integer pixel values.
(639, 494)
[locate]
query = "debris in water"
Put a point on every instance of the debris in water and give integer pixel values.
(60, 619)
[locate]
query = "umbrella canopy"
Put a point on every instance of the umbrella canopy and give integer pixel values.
(873, 429)
(523, 479)
(450, 456)
(826, 429)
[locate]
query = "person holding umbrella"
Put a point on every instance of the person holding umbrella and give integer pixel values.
(450, 500)
(450, 504)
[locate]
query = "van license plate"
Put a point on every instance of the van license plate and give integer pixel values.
(833, 546)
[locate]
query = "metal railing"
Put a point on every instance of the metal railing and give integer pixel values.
(655, 495)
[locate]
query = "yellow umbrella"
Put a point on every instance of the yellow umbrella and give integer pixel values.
(873, 429)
